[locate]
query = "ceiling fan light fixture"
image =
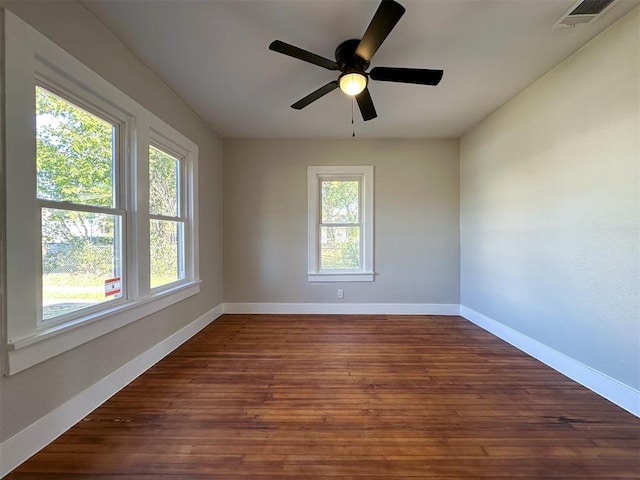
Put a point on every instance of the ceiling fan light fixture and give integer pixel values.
(353, 58)
(353, 83)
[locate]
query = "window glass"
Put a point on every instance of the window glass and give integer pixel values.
(80, 260)
(339, 248)
(166, 228)
(340, 201)
(163, 183)
(75, 153)
(166, 252)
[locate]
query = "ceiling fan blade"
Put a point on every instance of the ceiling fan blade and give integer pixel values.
(313, 96)
(365, 104)
(385, 18)
(300, 54)
(421, 76)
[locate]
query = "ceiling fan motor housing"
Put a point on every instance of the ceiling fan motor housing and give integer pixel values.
(347, 59)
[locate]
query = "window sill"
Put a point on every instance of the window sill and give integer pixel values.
(48, 342)
(341, 277)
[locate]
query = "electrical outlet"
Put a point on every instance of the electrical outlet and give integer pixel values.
(341, 293)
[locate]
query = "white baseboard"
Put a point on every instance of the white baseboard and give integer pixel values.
(36, 436)
(344, 308)
(622, 395)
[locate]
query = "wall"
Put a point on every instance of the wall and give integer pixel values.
(416, 254)
(550, 239)
(29, 395)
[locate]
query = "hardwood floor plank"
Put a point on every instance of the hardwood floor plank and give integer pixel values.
(361, 397)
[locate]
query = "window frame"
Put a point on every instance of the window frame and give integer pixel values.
(164, 144)
(31, 59)
(50, 80)
(364, 175)
(359, 224)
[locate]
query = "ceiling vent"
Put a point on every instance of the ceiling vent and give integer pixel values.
(583, 12)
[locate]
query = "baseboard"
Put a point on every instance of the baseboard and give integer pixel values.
(622, 395)
(36, 436)
(344, 308)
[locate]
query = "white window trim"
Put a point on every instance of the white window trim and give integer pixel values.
(50, 79)
(29, 58)
(187, 197)
(364, 173)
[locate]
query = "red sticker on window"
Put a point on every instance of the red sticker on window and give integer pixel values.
(112, 286)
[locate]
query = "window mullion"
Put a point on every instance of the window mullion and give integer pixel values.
(139, 255)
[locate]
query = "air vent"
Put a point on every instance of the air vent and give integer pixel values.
(583, 12)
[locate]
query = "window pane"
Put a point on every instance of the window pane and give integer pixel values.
(163, 183)
(166, 241)
(74, 152)
(340, 248)
(339, 201)
(81, 261)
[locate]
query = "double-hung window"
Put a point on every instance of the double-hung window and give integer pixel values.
(101, 204)
(166, 218)
(79, 196)
(340, 223)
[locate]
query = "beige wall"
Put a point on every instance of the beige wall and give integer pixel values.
(550, 235)
(416, 251)
(29, 395)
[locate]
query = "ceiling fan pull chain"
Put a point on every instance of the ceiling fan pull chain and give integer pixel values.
(353, 128)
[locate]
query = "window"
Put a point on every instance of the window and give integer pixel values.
(101, 209)
(81, 224)
(340, 216)
(340, 224)
(166, 224)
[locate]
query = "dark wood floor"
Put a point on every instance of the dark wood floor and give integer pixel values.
(325, 397)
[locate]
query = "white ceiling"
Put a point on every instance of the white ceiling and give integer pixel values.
(214, 55)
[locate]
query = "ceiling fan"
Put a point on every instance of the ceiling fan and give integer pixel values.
(353, 58)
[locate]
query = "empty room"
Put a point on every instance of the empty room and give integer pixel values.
(286, 239)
